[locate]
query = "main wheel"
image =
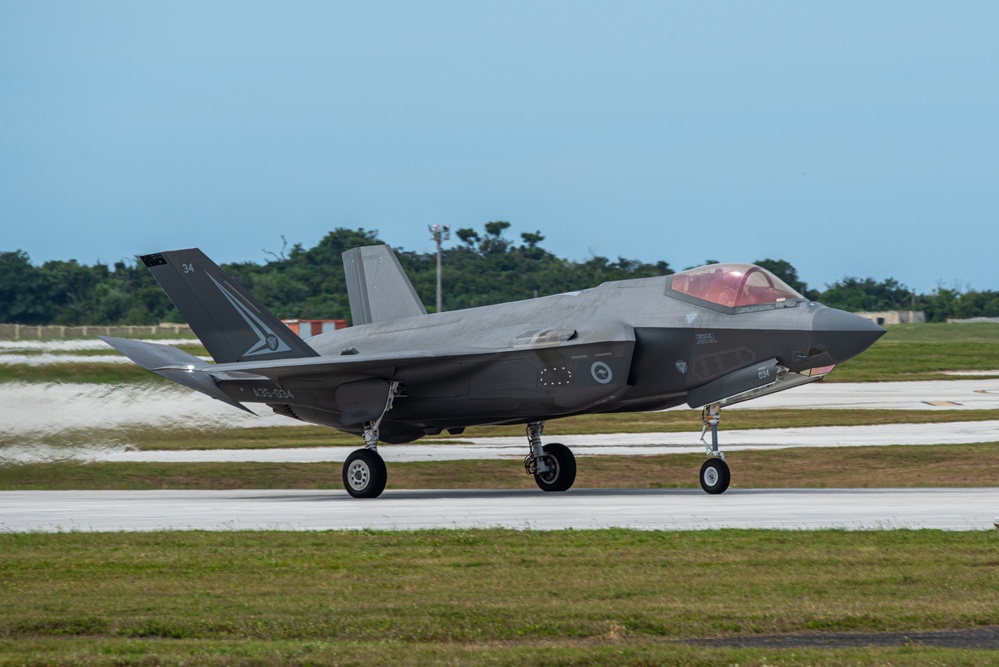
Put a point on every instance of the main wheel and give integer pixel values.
(715, 476)
(561, 471)
(364, 474)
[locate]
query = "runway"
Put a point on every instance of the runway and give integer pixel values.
(581, 509)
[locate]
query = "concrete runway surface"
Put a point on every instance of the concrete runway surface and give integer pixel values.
(645, 509)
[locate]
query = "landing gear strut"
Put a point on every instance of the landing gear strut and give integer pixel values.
(553, 465)
(715, 475)
(364, 473)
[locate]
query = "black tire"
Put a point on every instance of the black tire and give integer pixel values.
(561, 468)
(715, 476)
(364, 474)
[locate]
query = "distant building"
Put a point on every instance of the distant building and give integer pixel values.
(309, 328)
(896, 317)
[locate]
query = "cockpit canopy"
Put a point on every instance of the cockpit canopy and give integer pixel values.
(733, 285)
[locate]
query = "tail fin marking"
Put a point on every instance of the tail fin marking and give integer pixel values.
(231, 323)
(267, 341)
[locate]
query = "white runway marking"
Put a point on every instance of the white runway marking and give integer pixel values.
(644, 509)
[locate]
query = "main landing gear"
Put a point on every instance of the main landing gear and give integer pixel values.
(553, 465)
(364, 473)
(715, 475)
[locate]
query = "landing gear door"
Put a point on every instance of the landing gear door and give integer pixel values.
(753, 377)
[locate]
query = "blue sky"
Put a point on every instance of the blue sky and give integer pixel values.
(849, 138)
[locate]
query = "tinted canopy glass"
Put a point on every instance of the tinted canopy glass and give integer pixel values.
(733, 285)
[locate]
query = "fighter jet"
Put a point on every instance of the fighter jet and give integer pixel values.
(708, 337)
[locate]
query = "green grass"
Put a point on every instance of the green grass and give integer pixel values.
(849, 467)
(924, 352)
(484, 596)
(964, 332)
(89, 373)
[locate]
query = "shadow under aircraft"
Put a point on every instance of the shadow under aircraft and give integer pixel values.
(708, 337)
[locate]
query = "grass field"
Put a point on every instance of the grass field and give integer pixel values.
(924, 352)
(483, 597)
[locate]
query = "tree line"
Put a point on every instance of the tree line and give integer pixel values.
(483, 268)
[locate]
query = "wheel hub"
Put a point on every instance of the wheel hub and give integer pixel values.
(359, 475)
(550, 475)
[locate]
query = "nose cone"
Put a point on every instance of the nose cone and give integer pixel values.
(842, 334)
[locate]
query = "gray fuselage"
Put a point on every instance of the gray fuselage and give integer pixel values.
(625, 346)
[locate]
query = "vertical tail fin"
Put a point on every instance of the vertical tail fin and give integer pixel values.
(378, 287)
(232, 325)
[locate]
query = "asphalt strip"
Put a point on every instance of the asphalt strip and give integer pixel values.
(984, 638)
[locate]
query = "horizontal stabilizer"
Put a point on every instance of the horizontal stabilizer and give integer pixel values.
(232, 325)
(378, 287)
(173, 364)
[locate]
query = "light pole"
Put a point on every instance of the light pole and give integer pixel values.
(439, 233)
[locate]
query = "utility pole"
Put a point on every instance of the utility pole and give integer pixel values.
(439, 233)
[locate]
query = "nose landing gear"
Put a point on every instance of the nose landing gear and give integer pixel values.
(715, 475)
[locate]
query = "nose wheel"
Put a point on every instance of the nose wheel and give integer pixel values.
(715, 476)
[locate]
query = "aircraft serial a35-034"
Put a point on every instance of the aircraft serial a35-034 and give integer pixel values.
(708, 337)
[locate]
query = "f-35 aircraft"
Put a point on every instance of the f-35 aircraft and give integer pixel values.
(709, 337)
